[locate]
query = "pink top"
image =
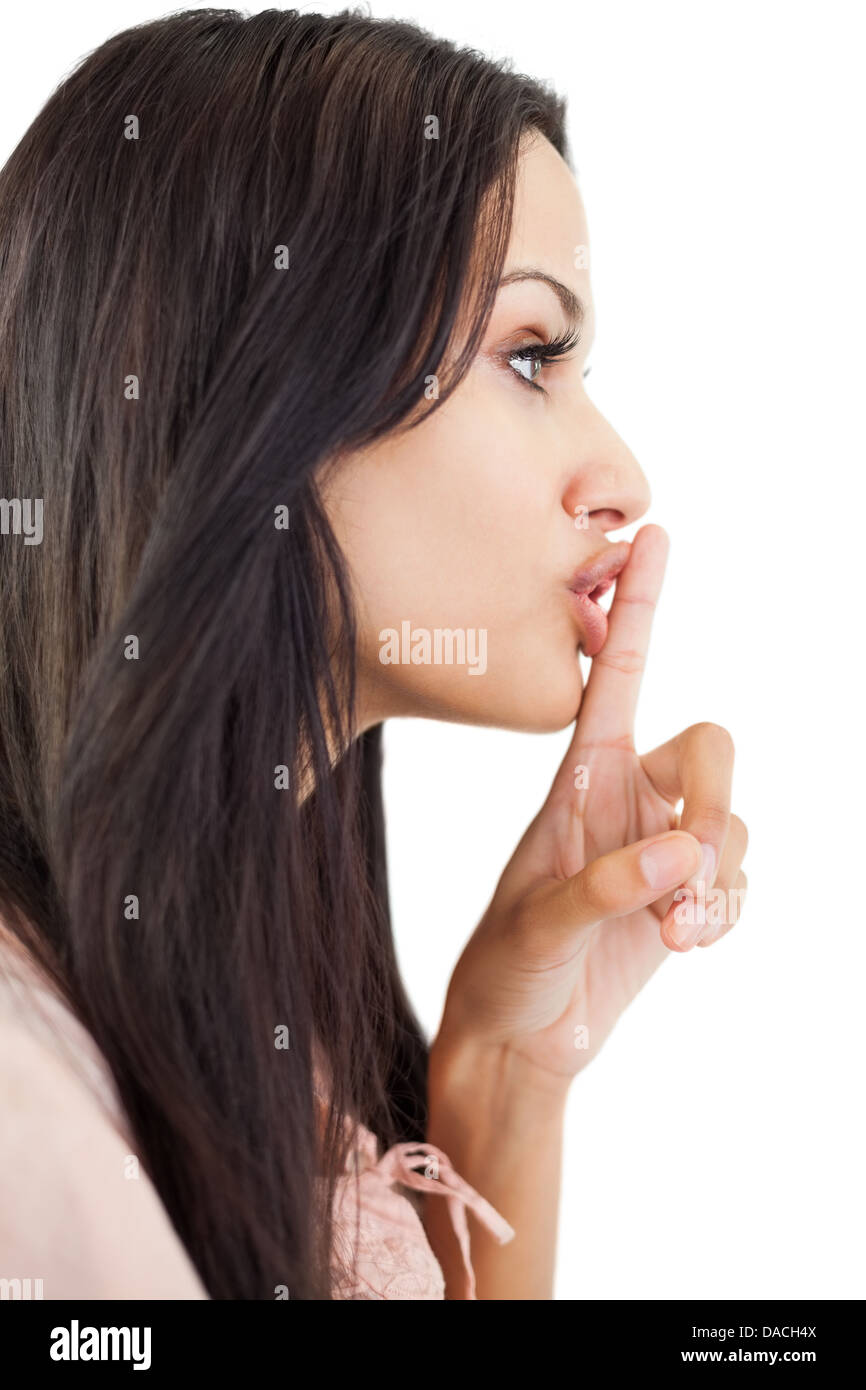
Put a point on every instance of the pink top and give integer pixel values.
(393, 1256)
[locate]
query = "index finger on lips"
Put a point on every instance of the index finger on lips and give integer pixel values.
(609, 703)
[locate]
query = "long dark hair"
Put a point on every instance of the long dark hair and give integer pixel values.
(173, 386)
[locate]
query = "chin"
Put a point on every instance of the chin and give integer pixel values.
(548, 720)
(544, 707)
(532, 697)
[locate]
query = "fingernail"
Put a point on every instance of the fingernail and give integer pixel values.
(708, 936)
(666, 863)
(704, 874)
(687, 932)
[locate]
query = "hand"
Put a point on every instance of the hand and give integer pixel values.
(585, 910)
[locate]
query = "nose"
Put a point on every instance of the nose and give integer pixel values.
(606, 484)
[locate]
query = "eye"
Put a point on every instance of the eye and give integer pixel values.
(532, 358)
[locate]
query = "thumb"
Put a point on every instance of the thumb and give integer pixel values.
(618, 883)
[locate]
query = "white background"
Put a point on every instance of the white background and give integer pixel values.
(715, 1146)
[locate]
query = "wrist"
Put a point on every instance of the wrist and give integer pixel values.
(491, 1087)
(499, 1118)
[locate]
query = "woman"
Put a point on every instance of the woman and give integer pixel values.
(294, 319)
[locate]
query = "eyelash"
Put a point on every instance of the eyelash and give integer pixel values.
(547, 354)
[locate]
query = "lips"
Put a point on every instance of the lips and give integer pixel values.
(587, 586)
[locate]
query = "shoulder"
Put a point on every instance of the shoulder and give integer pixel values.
(76, 1210)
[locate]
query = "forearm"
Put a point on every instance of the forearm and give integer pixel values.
(500, 1121)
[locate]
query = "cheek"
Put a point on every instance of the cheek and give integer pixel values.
(458, 525)
(451, 526)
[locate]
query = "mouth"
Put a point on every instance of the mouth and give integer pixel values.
(588, 586)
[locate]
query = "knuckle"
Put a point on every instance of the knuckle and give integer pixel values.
(740, 828)
(639, 602)
(619, 743)
(737, 897)
(715, 734)
(588, 889)
(734, 903)
(714, 816)
(623, 659)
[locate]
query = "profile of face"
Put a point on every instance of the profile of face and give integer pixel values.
(476, 521)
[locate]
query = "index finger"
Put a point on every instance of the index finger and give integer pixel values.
(609, 703)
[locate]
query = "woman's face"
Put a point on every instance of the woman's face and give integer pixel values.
(475, 522)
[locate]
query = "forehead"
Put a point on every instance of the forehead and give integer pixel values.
(549, 230)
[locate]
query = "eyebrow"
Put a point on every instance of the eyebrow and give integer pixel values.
(572, 305)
